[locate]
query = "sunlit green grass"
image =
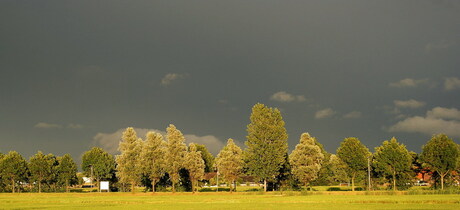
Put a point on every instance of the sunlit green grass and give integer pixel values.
(225, 200)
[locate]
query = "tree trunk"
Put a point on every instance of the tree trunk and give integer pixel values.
(231, 186)
(193, 186)
(173, 187)
(67, 185)
(394, 180)
(353, 182)
(442, 180)
(311, 189)
(153, 185)
(97, 184)
(12, 184)
(39, 186)
(265, 185)
(133, 184)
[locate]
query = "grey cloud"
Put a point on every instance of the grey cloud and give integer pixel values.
(444, 113)
(409, 103)
(170, 77)
(283, 96)
(324, 113)
(74, 126)
(437, 120)
(428, 126)
(451, 83)
(45, 125)
(353, 115)
(408, 82)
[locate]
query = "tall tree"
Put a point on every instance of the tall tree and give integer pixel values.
(325, 174)
(338, 168)
(355, 155)
(306, 159)
(266, 143)
(153, 157)
(441, 155)
(128, 162)
(67, 171)
(175, 155)
(101, 163)
(230, 162)
(392, 159)
(13, 167)
(194, 163)
(207, 157)
(42, 169)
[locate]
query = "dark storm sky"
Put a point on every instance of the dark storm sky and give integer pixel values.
(74, 73)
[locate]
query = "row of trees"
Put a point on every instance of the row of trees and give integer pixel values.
(41, 170)
(266, 157)
(157, 161)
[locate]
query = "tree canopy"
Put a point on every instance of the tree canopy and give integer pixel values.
(42, 168)
(13, 167)
(207, 157)
(266, 143)
(441, 155)
(153, 157)
(194, 163)
(101, 162)
(355, 155)
(175, 153)
(128, 162)
(66, 170)
(230, 162)
(392, 159)
(306, 159)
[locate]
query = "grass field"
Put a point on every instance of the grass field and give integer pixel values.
(225, 200)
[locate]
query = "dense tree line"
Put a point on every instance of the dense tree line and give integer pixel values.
(158, 162)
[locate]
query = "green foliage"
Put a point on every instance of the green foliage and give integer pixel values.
(66, 171)
(129, 168)
(175, 155)
(194, 164)
(42, 169)
(355, 155)
(153, 157)
(266, 143)
(441, 155)
(306, 159)
(339, 169)
(392, 159)
(230, 162)
(103, 164)
(13, 167)
(207, 157)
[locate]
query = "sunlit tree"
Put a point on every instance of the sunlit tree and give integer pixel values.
(392, 159)
(98, 163)
(175, 154)
(13, 167)
(441, 155)
(266, 143)
(194, 163)
(306, 160)
(355, 155)
(153, 157)
(230, 162)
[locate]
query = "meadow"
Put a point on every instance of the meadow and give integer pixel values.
(226, 200)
